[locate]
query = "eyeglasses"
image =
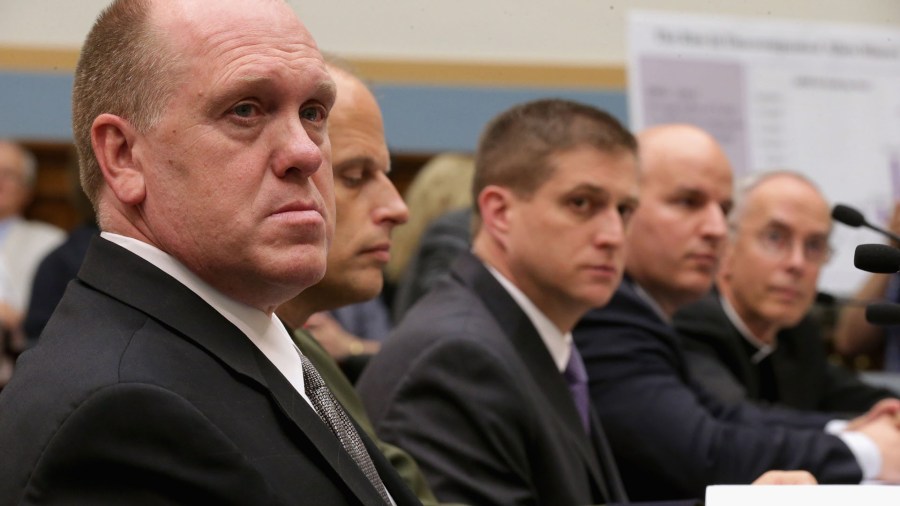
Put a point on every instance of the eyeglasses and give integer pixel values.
(779, 243)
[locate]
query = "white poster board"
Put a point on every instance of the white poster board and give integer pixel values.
(821, 99)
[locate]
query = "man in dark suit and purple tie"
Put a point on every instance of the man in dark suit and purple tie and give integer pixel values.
(480, 381)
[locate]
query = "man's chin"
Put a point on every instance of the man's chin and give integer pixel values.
(349, 287)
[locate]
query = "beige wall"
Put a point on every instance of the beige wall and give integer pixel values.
(579, 32)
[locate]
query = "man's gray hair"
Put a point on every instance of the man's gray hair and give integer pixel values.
(749, 183)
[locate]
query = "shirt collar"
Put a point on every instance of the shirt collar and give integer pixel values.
(6, 226)
(265, 331)
(763, 350)
(646, 297)
(558, 344)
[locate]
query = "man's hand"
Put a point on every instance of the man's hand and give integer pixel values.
(894, 225)
(882, 428)
(890, 407)
(12, 340)
(786, 478)
(339, 343)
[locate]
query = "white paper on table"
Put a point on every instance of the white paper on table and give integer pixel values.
(820, 495)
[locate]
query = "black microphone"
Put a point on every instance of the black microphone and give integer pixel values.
(884, 313)
(878, 258)
(853, 218)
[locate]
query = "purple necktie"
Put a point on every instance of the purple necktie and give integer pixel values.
(576, 377)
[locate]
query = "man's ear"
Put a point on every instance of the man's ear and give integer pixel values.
(113, 140)
(494, 203)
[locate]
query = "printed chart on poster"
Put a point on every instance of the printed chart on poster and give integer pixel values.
(821, 99)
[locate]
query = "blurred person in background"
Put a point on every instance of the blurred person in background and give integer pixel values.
(61, 265)
(23, 244)
(368, 207)
(424, 249)
(853, 335)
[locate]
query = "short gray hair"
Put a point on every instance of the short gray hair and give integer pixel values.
(749, 183)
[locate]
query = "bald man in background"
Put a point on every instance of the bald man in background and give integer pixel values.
(670, 437)
(368, 207)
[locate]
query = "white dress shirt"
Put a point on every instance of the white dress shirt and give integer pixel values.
(265, 331)
(558, 344)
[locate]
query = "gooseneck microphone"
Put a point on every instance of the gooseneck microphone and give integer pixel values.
(853, 218)
(877, 258)
(883, 313)
(884, 259)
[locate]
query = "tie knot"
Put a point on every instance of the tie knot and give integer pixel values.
(575, 372)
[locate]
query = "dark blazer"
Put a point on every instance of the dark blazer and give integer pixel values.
(442, 241)
(140, 393)
(466, 385)
(53, 274)
(670, 437)
(720, 360)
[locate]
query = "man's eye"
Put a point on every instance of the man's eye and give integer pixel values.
(775, 236)
(243, 110)
(689, 202)
(626, 211)
(352, 180)
(580, 203)
(314, 113)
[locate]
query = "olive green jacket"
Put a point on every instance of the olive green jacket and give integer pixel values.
(343, 391)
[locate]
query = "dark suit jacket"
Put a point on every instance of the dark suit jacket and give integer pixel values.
(670, 438)
(721, 361)
(53, 274)
(141, 393)
(466, 385)
(442, 241)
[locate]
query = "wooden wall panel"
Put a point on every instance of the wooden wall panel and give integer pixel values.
(53, 200)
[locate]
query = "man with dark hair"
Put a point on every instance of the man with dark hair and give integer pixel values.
(752, 337)
(670, 437)
(480, 382)
(164, 375)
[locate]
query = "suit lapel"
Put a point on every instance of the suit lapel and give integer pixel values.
(614, 491)
(634, 309)
(737, 351)
(531, 349)
(298, 410)
(174, 305)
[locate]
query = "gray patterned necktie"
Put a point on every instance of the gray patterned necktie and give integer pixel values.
(334, 416)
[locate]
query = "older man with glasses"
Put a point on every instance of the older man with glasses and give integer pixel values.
(753, 337)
